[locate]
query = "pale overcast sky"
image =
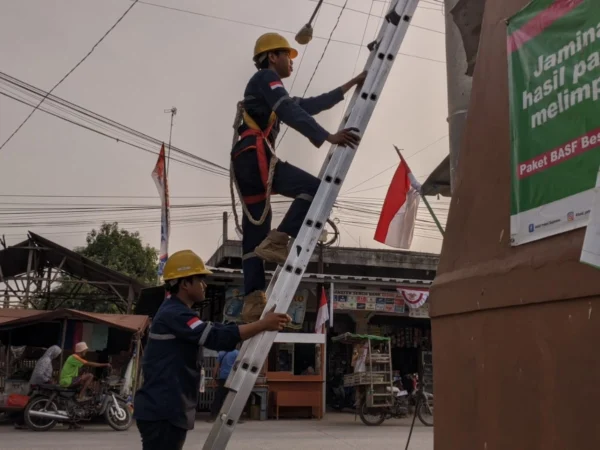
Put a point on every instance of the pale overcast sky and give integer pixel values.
(157, 58)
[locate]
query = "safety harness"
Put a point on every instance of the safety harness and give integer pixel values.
(266, 169)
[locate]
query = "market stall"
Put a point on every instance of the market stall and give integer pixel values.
(111, 338)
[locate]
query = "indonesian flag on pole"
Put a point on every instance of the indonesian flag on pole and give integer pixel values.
(159, 175)
(397, 219)
(322, 314)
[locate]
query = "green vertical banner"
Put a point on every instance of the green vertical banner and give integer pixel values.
(554, 84)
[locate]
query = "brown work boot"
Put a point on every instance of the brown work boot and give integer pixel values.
(274, 248)
(254, 304)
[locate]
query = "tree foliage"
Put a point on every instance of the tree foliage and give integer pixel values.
(122, 251)
(117, 249)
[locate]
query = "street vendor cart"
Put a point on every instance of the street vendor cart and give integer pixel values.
(372, 377)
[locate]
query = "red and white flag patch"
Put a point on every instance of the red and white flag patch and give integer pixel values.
(276, 84)
(194, 322)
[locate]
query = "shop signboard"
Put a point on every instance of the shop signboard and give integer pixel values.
(554, 93)
(389, 302)
(422, 312)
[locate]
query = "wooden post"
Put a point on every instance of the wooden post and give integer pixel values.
(138, 350)
(28, 282)
(433, 216)
(225, 227)
(7, 371)
(62, 342)
(130, 298)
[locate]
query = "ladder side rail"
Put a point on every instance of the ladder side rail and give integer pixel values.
(306, 241)
(291, 277)
(249, 347)
(372, 65)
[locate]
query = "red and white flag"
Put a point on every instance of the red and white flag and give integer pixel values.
(159, 175)
(414, 298)
(397, 220)
(322, 314)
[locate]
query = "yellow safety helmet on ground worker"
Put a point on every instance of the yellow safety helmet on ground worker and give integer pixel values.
(184, 263)
(270, 42)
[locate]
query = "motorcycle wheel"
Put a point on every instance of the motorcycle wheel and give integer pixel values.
(425, 412)
(39, 423)
(119, 420)
(367, 417)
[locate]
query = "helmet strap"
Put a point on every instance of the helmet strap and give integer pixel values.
(261, 58)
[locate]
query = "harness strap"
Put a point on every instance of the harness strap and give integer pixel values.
(266, 170)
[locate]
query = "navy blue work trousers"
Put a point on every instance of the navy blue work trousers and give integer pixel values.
(289, 181)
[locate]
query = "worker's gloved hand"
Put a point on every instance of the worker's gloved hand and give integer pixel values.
(275, 321)
(359, 79)
(346, 138)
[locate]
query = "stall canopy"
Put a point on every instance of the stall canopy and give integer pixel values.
(16, 318)
(30, 270)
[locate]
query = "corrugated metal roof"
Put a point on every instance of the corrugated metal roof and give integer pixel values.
(14, 318)
(13, 261)
(8, 314)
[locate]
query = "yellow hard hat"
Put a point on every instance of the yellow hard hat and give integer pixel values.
(184, 263)
(273, 41)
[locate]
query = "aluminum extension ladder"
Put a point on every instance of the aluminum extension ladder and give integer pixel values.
(286, 279)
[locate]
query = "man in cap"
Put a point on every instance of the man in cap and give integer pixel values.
(165, 406)
(257, 172)
(69, 375)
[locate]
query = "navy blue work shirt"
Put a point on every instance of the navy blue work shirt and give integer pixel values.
(265, 93)
(172, 362)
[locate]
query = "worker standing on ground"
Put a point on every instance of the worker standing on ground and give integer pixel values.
(258, 173)
(165, 406)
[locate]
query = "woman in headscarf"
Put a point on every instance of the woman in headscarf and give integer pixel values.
(42, 374)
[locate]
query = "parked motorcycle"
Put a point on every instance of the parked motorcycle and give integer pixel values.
(339, 397)
(400, 408)
(50, 404)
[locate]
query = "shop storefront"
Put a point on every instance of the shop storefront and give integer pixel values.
(301, 362)
(401, 314)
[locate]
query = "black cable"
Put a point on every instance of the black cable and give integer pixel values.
(276, 29)
(317, 65)
(380, 17)
(396, 165)
(412, 426)
(69, 73)
(102, 119)
(114, 138)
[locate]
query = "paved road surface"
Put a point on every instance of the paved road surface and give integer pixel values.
(335, 432)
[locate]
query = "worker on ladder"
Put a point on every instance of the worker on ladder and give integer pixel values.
(257, 173)
(165, 405)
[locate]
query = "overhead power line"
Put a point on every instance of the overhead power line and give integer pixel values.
(241, 22)
(395, 165)
(337, 22)
(28, 94)
(382, 16)
(68, 73)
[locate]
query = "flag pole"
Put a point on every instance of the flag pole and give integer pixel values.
(173, 111)
(433, 216)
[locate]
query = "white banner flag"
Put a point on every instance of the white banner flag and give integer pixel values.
(414, 298)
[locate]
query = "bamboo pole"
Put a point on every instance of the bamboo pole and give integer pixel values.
(433, 216)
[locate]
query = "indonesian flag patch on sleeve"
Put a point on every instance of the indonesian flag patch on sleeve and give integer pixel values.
(194, 322)
(276, 84)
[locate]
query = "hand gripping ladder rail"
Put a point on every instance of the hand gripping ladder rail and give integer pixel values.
(286, 279)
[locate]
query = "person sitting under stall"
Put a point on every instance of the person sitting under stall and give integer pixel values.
(69, 375)
(42, 373)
